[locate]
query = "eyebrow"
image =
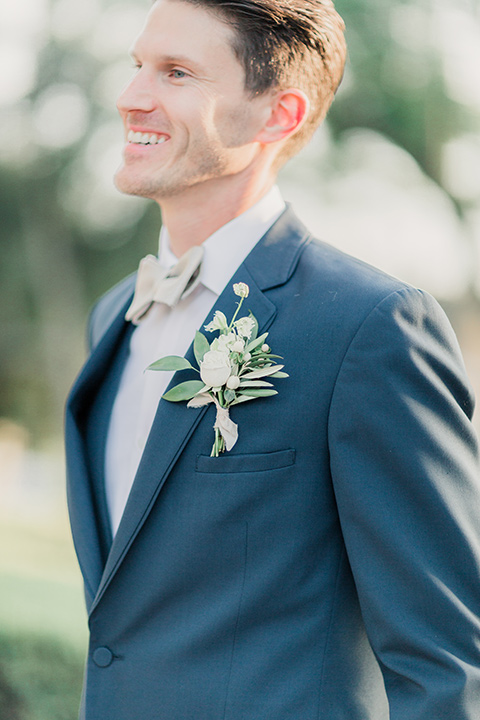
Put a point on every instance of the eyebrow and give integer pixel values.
(170, 60)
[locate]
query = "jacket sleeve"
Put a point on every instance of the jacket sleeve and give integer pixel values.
(405, 468)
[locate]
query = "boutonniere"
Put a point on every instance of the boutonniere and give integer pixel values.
(232, 370)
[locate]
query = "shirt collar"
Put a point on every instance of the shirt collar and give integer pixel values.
(228, 247)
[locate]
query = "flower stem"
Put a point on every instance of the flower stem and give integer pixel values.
(239, 305)
(216, 445)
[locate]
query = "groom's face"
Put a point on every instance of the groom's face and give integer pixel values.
(188, 120)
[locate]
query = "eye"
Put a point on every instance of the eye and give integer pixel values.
(178, 74)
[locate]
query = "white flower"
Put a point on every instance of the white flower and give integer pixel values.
(244, 326)
(233, 382)
(215, 368)
(219, 322)
(238, 346)
(224, 343)
(247, 357)
(241, 289)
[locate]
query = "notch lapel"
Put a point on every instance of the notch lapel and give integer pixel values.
(90, 525)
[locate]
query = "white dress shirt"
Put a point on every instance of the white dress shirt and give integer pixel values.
(170, 331)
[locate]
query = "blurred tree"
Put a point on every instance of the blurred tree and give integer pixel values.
(59, 235)
(40, 679)
(396, 83)
(10, 701)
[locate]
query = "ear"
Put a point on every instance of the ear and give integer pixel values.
(288, 111)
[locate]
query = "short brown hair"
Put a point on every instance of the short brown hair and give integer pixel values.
(288, 43)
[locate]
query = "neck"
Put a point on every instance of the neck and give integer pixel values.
(196, 213)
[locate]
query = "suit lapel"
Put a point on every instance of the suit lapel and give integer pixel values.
(270, 264)
(86, 449)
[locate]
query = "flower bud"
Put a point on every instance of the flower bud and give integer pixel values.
(265, 348)
(247, 357)
(244, 327)
(233, 382)
(241, 289)
(219, 322)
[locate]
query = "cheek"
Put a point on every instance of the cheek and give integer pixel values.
(237, 125)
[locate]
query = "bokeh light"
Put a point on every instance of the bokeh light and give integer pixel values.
(60, 115)
(461, 167)
(423, 240)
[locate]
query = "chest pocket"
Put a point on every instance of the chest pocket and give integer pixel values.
(246, 463)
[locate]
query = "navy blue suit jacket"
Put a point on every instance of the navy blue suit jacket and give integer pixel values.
(328, 567)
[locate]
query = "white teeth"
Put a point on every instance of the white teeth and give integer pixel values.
(139, 138)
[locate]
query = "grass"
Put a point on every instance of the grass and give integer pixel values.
(43, 630)
(40, 678)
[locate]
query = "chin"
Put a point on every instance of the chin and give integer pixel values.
(131, 185)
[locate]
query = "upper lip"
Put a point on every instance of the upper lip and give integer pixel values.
(148, 131)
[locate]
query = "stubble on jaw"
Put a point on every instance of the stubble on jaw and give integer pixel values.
(132, 179)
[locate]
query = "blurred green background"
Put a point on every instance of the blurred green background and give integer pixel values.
(393, 177)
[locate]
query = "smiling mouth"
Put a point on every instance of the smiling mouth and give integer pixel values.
(139, 138)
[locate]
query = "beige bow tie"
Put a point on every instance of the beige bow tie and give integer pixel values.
(157, 284)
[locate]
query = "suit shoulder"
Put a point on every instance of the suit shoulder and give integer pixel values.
(107, 308)
(326, 277)
(329, 264)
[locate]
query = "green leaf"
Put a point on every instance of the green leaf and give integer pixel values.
(255, 383)
(171, 362)
(254, 334)
(184, 391)
(256, 343)
(241, 399)
(200, 346)
(258, 356)
(262, 372)
(280, 374)
(229, 396)
(257, 392)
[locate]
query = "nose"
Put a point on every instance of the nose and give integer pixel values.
(138, 95)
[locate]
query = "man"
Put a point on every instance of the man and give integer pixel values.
(328, 565)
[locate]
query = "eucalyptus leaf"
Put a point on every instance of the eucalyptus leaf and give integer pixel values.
(241, 399)
(255, 383)
(184, 391)
(262, 372)
(255, 343)
(257, 392)
(254, 334)
(200, 346)
(258, 355)
(229, 395)
(171, 362)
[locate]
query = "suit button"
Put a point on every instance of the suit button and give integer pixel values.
(102, 657)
